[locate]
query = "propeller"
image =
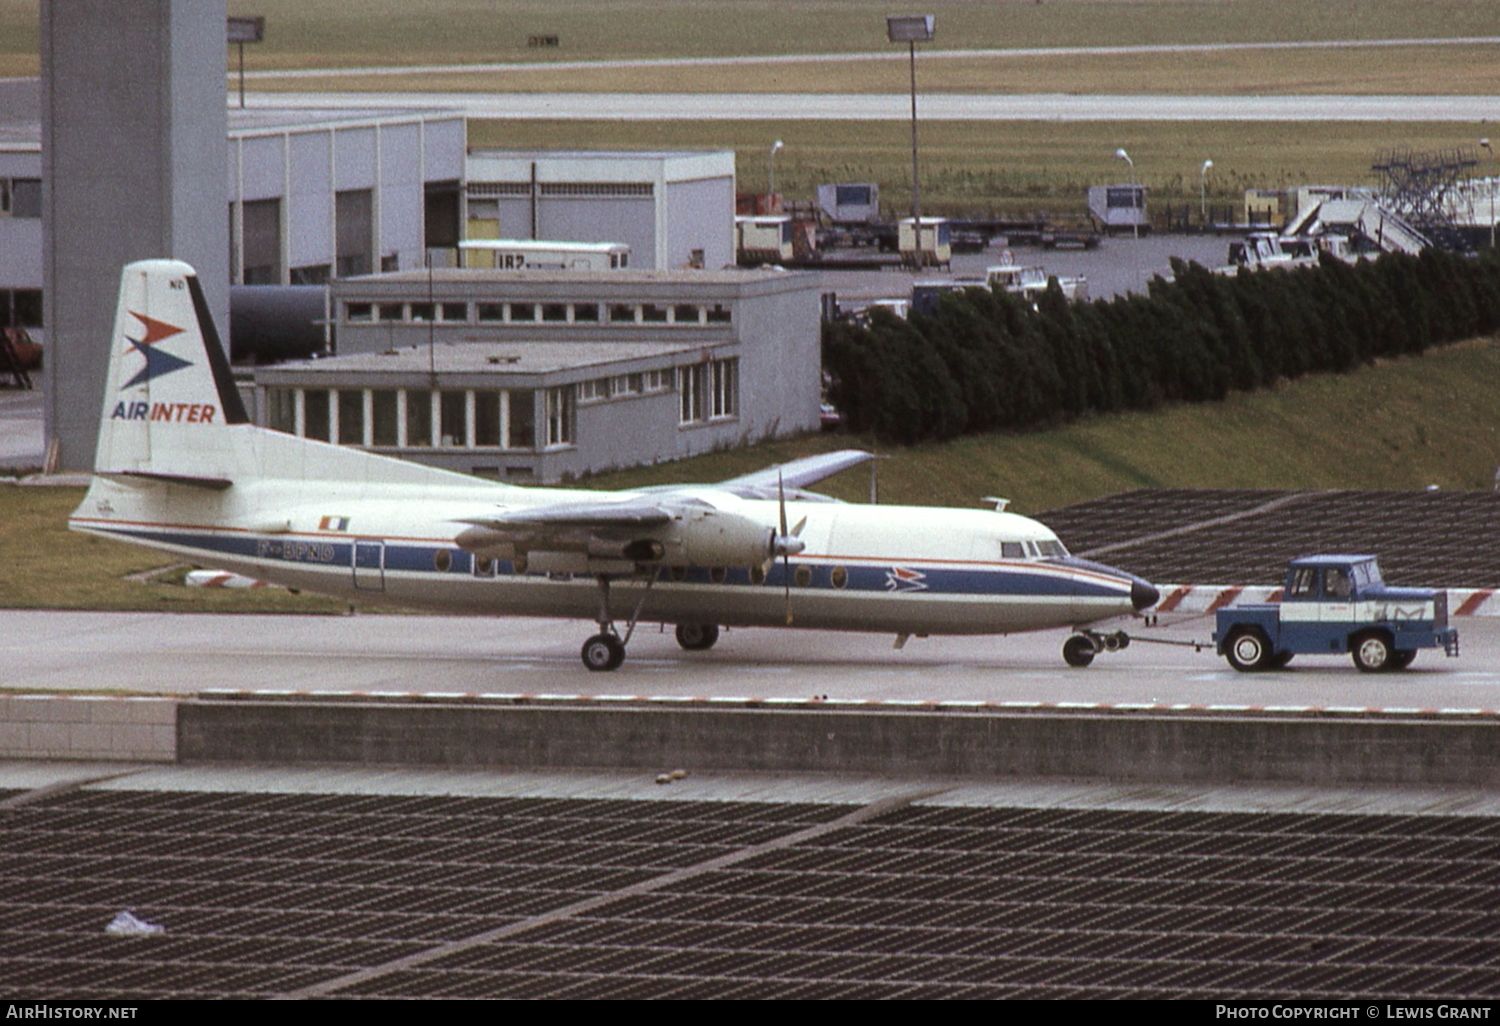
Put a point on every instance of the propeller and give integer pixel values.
(786, 544)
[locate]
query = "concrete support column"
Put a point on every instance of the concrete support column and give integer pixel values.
(134, 165)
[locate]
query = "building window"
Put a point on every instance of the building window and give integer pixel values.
(522, 312)
(487, 419)
(684, 313)
(359, 312)
(423, 312)
(454, 412)
(454, 312)
(657, 380)
(315, 414)
(418, 419)
(718, 314)
(521, 421)
(560, 416)
(653, 314)
(621, 313)
(389, 311)
(586, 313)
(21, 197)
(491, 312)
(594, 390)
(626, 384)
(20, 308)
(709, 391)
(351, 416)
(312, 274)
(385, 417)
(692, 389)
(261, 241)
(354, 231)
(555, 312)
(726, 384)
(282, 409)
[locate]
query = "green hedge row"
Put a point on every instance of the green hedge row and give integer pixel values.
(988, 361)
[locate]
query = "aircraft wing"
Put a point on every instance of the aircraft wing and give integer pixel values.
(564, 515)
(766, 484)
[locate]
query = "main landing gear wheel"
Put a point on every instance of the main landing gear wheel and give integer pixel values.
(1248, 650)
(1078, 651)
(603, 652)
(1372, 652)
(697, 637)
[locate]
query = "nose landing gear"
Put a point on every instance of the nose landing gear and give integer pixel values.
(1080, 649)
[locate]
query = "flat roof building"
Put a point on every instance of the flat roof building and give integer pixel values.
(673, 209)
(548, 375)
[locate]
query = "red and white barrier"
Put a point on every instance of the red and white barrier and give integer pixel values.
(1209, 598)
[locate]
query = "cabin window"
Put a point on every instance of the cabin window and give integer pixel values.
(802, 576)
(838, 577)
(757, 574)
(419, 419)
(442, 560)
(384, 416)
(717, 574)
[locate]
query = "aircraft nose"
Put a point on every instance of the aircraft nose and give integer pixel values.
(1143, 594)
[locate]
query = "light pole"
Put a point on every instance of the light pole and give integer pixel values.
(1203, 190)
(912, 29)
(771, 174)
(1485, 145)
(1135, 219)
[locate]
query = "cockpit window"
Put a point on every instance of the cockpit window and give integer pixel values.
(1011, 550)
(1051, 549)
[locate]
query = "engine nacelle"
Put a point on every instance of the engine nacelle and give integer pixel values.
(716, 538)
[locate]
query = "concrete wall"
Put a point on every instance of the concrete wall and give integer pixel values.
(696, 219)
(134, 122)
(94, 728)
(1119, 748)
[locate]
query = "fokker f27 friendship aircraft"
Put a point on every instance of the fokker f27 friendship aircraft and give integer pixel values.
(180, 468)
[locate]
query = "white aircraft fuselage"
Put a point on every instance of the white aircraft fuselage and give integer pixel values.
(180, 469)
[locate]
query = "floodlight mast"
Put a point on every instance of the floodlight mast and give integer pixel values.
(1135, 224)
(912, 29)
(1203, 190)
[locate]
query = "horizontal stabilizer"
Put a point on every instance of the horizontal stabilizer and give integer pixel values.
(217, 484)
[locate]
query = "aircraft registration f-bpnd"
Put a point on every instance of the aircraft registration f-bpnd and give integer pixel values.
(180, 468)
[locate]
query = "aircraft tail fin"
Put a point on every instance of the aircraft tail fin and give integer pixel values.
(170, 391)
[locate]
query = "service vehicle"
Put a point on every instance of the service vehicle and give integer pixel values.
(1335, 604)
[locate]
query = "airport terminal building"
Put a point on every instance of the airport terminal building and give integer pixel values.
(546, 375)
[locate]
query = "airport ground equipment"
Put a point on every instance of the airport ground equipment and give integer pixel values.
(1334, 604)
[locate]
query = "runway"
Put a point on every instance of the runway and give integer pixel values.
(187, 654)
(897, 106)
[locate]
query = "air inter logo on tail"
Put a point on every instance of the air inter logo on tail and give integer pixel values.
(159, 362)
